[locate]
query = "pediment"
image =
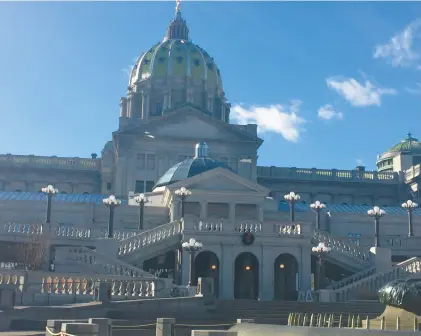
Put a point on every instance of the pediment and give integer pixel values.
(222, 180)
(188, 122)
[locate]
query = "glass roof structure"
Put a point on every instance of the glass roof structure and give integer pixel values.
(344, 208)
(39, 196)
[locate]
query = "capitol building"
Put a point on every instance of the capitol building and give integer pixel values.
(180, 170)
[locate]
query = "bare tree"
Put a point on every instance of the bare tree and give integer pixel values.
(31, 254)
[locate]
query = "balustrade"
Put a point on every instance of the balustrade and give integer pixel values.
(71, 232)
(28, 229)
(104, 265)
(85, 286)
(326, 174)
(119, 235)
(375, 281)
(338, 245)
(49, 162)
(290, 229)
(149, 237)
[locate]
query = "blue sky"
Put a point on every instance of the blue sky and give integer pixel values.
(331, 84)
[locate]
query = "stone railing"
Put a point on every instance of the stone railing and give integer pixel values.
(338, 245)
(102, 264)
(375, 281)
(149, 237)
(27, 229)
(326, 174)
(71, 232)
(119, 235)
(50, 162)
(37, 229)
(290, 229)
(353, 278)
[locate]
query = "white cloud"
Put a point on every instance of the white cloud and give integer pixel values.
(404, 48)
(277, 118)
(327, 112)
(128, 70)
(414, 90)
(357, 94)
(359, 162)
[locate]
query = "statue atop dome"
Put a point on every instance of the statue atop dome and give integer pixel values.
(178, 6)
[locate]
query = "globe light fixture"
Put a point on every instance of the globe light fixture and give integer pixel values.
(317, 207)
(50, 192)
(320, 250)
(111, 203)
(141, 199)
(292, 198)
(183, 193)
(192, 246)
(410, 206)
(376, 213)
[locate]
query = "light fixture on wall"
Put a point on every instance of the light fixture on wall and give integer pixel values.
(213, 267)
(248, 268)
(281, 266)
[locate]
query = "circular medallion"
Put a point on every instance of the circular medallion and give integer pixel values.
(248, 238)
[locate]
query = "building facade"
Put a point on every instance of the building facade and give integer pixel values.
(175, 131)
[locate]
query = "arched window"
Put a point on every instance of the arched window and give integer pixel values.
(85, 193)
(18, 190)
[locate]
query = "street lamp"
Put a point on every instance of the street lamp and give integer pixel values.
(49, 191)
(292, 198)
(183, 193)
(317, 207)
(376, 213)
(320, 249)
(192, 246)
(111, 203)
(141, 199)
(410, 206)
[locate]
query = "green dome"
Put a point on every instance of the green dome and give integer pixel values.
(177, 57)
(408, 145)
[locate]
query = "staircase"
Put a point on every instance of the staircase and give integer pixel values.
(150, 243)
(347, 255)
(369, 282)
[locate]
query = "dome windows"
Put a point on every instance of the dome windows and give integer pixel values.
(146, 61)
(179, 59)
(196, 62)
(210, 66)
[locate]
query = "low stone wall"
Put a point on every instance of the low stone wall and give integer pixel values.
(276, 330)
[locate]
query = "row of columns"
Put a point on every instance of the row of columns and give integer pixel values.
(130, 109)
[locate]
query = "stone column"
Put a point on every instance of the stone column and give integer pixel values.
(203, 209)
(123, 107)
(130, 105)
(143, 113)
(165, 104)
(226, 274)
(148, 108)
(232, 213)
(185, 267)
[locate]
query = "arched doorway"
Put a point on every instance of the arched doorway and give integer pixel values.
(246, 276)
(286, 277)
(206, 265)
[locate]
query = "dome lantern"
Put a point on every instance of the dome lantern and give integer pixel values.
(201, 149)
(178, 27)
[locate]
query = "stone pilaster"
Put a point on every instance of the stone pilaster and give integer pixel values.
(123, 107)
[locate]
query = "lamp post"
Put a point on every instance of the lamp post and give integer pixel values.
(141, 199)
(317, 207)
(410, 206)
(292, 198)
(183, 193)
(376, 213)
(320, 249)
(111, 203)
(49, 191)
(192, 246)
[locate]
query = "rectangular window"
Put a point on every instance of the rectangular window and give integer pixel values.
(150, 161)
(139, 187)
(141, 161)
(149, 185)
